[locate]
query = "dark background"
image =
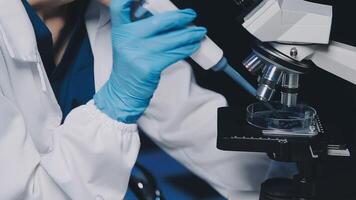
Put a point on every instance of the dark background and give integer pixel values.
(334, 98)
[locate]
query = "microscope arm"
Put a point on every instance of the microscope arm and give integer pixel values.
(338, 59)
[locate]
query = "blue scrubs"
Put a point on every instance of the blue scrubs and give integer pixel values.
(72, 79)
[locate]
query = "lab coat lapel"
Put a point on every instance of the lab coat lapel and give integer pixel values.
(17, 31)
(20, 42)
(42, 111)
(29, 86)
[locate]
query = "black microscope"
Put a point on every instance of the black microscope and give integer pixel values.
(291, 39)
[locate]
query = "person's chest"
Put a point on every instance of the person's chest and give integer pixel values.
(23, 78)
(70, 73)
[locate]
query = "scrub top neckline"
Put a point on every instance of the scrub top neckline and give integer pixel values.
(72, 80)
(45, 41)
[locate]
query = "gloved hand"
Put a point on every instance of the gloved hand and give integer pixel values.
(142, 50)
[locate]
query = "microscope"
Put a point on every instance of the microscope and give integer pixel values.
(291, 38)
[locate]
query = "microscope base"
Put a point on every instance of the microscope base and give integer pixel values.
(310, 154)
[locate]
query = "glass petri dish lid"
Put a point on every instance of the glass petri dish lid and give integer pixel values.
(275, 116)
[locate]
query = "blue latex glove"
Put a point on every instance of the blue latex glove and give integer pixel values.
(142, 50)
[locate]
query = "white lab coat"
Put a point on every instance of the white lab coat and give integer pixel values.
(90, 156)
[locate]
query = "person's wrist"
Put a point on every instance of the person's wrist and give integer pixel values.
(110, 103)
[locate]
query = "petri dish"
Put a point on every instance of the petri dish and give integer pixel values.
(275, 116)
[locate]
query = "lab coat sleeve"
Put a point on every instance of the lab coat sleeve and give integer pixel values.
(90, 158)
(182, 120)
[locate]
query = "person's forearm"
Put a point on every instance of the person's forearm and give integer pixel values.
(88, 156)
(92, 155)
